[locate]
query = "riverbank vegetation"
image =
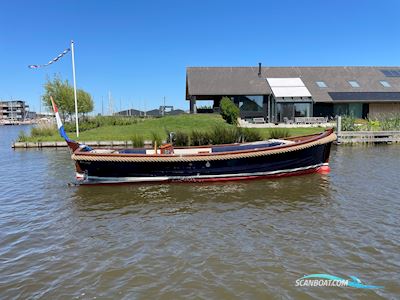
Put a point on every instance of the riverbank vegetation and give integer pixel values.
(217, 135)
(199, 129)
(384, 122)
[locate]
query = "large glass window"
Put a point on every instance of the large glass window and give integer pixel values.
(284, 111)
(348, 109)
(341, 109)
(291, 110)
(302, 109)
(249, 103)
(356, 110)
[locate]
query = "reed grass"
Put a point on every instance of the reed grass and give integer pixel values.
(217, 135)
(137, 141)
(250, 135)
(156, 138)
(200, 138)
(22, 136)
(278, 133)
(388, 121)
(43, 130)
(181, 139)
(349, 123)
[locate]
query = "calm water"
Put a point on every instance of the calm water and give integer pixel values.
(236, 240)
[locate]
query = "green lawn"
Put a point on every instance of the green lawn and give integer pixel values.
(145, 128)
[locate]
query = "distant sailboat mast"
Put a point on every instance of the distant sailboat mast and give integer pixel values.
(110, 104)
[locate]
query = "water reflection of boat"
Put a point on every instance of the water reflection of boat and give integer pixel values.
(263, 159)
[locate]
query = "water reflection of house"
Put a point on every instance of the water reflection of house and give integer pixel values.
(277, 93)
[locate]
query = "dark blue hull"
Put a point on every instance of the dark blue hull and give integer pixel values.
(301, 161)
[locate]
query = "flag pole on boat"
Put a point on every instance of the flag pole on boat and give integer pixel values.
(73, 74)
(76, 101)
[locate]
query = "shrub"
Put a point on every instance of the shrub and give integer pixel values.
(278, 133)
(205, 107)
(229, 111)
(250, 135)
(200, 138)
(225, 135)
(373, 125)
(43, 130)
(181, 138)
(389, 121)
(137, 141)
(348, 123)
(125, 120)
(156, 138)
(22, 137)
(217, 135)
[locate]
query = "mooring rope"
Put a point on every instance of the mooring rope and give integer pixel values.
(211, 157)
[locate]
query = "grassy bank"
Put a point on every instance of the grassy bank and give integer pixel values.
(146, 128)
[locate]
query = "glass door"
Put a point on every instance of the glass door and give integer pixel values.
(285, 111)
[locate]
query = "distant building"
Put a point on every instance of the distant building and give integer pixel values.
(31, 115)
(167, 110)
(283, 93)
(13, 111)
(130, 112)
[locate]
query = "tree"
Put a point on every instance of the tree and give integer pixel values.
(229, 111)
(85, 102)
(63, 93)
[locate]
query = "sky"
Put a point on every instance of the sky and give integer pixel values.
(139, 50)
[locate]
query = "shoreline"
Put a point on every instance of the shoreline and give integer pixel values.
(63, 144)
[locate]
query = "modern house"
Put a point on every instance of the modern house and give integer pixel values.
(283, 93)
(13, 111)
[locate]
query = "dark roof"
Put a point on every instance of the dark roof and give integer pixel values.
(175, 112)
(153, 112)
(365, 96)
(226, 81)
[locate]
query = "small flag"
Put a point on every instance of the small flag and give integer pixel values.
(51, 61)
(60, 125)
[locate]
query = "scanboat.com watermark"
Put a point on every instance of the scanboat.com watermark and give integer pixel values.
(326, 280)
